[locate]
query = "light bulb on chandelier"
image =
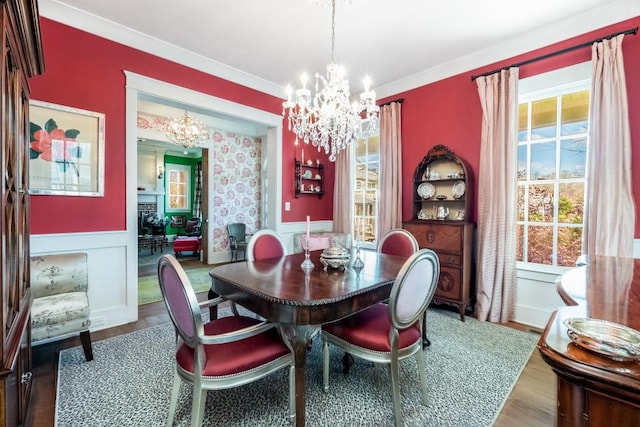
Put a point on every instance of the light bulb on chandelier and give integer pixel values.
(329, 121)
(185, 131)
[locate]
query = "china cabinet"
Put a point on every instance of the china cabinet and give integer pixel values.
(309, 178)
(442, 197)
(21, 59)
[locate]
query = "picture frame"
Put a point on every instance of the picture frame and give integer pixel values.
(178, 221)
(66, 154)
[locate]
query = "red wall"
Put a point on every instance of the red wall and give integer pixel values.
(85, 71)
(448, 111)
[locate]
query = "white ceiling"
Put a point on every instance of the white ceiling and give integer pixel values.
(400, 44)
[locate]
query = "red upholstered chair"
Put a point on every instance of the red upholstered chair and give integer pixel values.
(265, 244)
(398, 242)
(387, 333)
(223, 353)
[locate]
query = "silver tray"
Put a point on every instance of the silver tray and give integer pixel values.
(609, 339)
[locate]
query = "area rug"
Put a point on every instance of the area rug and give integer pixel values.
(471, 369)
(149, 287)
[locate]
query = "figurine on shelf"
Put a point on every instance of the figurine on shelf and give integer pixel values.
(318, 162)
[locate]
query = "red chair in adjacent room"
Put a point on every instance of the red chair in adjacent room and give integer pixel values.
(223, 353)
(398, 241)
(387, 333)
(265, 244)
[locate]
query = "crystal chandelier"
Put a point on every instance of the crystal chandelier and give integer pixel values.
(185, 131)
(330, 121)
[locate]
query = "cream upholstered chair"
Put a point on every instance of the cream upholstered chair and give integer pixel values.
(398, 241)
(387, 333)
(59, 285)
(222, 353)
(265, 244)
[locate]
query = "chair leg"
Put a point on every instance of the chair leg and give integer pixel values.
(292, 394)
(174, 399)
(325, 366)
(423, 377)
(199, 402)
(85, 338)
(395, 390)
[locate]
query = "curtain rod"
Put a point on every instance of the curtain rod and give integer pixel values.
(633, 31)
(399, 101)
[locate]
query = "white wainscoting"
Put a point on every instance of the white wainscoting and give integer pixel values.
(113, 275)
(536, 295)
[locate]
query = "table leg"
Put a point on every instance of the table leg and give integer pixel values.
(298, 337)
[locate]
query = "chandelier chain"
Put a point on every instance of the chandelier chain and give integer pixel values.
(333, 29)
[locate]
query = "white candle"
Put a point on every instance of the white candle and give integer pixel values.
(308, 225)
(303, 159)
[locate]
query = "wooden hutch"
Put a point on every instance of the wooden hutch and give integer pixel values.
(442, 197)
(21, 59)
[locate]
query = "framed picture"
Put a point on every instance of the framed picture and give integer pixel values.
(66, 150)
(178, 221)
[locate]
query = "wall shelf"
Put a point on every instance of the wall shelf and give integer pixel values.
(309, 179)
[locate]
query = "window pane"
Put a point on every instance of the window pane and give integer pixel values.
(520, 242)
(543, 160)
(575, 113)
(571, 203)
(573, 158)
(569, 245)
(544, 118)
(521, 202)
(540, 203)
(538, 249)
(523, 109)
(522, 162)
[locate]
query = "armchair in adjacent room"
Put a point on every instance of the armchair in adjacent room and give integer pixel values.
(237, 239)
(193, 228)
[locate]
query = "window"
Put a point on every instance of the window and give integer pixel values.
(366, 167)
(178, 187)
(552, 153)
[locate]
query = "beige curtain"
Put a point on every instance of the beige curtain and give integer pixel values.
(496, 272)
(609, 207)
(390, 203)
(342, 193)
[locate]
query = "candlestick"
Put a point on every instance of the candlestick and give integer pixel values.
(307, 264)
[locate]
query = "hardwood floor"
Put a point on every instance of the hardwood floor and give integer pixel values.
(531, 403)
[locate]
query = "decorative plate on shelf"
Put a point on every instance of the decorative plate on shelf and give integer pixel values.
(609, 339)
(458, 189)
(426, 190)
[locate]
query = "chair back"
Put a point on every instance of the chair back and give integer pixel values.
(414, 288)
(192, 226)
(399, 242)
(58, 274)
(265, 244)
(180, 299)
(238, 231)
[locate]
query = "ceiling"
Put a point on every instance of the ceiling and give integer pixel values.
(400, 44)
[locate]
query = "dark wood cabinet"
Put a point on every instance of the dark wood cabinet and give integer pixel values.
(21, 59)
(309, 178)
(442, 186)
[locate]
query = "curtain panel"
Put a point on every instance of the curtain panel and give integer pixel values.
(342, 192)
(390, 203)
(609, 208)
(497, 185)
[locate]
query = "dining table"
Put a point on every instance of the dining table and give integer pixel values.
(300, 300)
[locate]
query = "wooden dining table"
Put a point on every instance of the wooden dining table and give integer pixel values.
(300, 300)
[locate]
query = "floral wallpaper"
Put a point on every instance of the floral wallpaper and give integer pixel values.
(235, 187)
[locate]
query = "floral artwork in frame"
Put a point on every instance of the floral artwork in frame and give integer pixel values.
(66, 150)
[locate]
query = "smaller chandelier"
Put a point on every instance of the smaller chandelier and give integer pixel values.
(329, 120)
(185, 131)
